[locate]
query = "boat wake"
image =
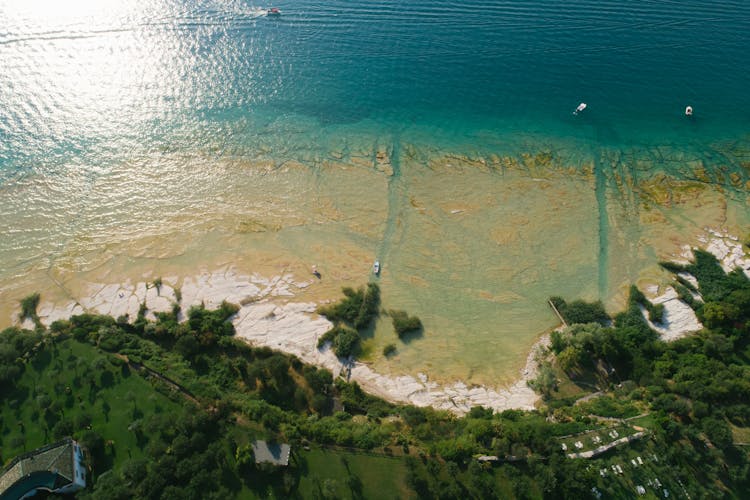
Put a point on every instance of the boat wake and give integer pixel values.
(256, 12)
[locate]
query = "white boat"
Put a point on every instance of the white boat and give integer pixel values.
(580, 108)
(376, 268)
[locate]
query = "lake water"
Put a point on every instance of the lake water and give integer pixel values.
(161, 138)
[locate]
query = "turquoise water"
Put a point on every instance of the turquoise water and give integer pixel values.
(95, 81)
(154, 136)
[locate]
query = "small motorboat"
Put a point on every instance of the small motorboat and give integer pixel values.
(689, 111)
(273, 11)
(580, 108)
(376, 268)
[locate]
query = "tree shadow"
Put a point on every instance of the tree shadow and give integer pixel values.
(368, 331)
(412, 335)
(41, 360)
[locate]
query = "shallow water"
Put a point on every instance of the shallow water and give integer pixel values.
(159, 138)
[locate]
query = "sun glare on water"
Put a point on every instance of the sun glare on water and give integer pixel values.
(56, 10)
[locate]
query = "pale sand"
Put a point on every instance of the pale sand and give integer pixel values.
(267, 318)
(680, 319)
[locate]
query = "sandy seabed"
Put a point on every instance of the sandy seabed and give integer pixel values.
(269, 316)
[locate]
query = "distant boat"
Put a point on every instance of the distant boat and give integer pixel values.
(263, 12)
(376, 268)
(580, 108)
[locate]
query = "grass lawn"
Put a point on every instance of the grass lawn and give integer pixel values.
(351, 475)
(646, 421)
(740, 435)
(67, 385)
(567, 388)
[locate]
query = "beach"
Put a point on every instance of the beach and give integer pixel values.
(191, 140)
(270, 316)
(472, 246)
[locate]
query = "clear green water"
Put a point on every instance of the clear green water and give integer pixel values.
(152, 138)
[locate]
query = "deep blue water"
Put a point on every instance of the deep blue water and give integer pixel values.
(86, 83)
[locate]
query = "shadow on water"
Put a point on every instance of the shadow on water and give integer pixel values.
(368, 332)
(412, 335)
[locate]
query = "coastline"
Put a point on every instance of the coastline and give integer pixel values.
(269, 317)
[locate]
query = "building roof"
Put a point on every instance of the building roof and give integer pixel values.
(50, 467)
(277, 454)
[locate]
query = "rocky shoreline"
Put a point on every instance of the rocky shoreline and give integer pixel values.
(269, 317)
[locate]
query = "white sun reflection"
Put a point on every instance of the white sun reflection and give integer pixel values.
(90, 71)
(54, 11)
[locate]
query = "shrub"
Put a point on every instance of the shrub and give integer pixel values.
(357, 308)
(347, 309)
(345, 341)
(369, 308)
(389, 350)
(656, 313)
(581, 312)
(683, 292)
(403, 323)
(29, 305)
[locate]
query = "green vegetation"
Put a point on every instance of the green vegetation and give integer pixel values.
(169, 410)
(579, 311)
(655, 311)
(350, 475)
(403, 323)
(29, 305)
(695, 392)
(345, 340)
(389, 350)
(350, 316)
(15, 346)
(357, 309)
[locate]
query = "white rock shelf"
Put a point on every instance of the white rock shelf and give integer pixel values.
(267, 318)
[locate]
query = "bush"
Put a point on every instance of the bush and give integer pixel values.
(347, 309)
(684, 294)
(345, 341)
(389, 350)
(581, 312)
(357, 308)
(656, 313)
(369, 308)
(403, 323)
(29, 305)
